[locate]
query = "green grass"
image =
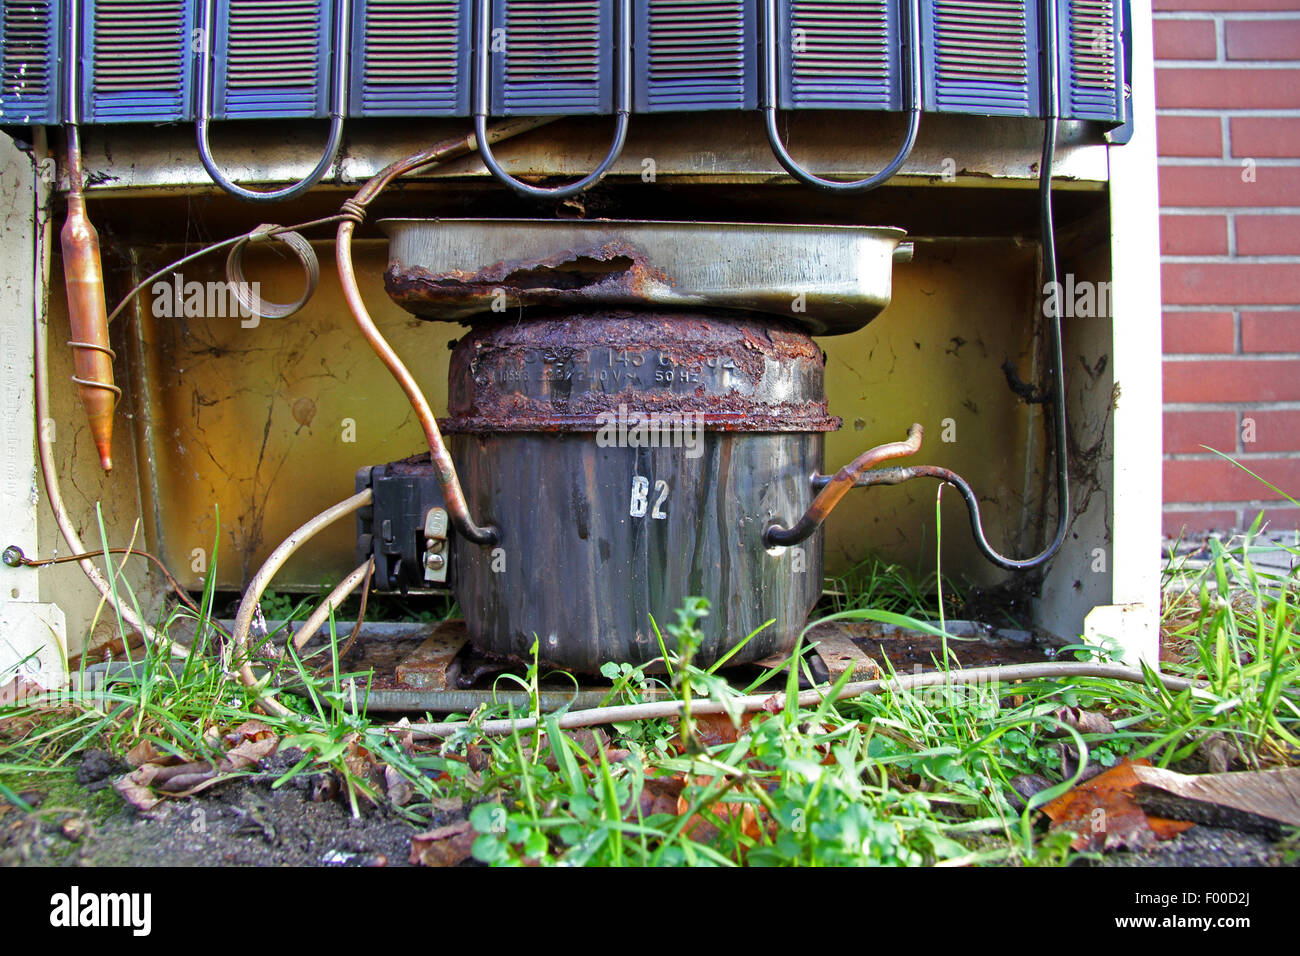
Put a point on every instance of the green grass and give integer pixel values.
(917, 777)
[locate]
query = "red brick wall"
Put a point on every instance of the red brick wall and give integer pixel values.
(1228, 133)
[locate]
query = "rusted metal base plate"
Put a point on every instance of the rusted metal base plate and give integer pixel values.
(841, 653)
(902, 650)
(433, 665)
(416, 667)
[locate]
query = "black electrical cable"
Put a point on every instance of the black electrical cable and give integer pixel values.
(912, 31)
(894, 476)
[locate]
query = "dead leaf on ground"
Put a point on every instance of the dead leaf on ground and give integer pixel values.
(448, 804)
(145, 752)
(134, 787)
(1084, 721)
(1219, 753)
(165, 775)
(1024, 786)
(660, 795)
(444, 846)
(716, 729)
(701, 829)
(249, 730)
(1104, 815)
(405, 735)
(1267, 793)
(400, 790)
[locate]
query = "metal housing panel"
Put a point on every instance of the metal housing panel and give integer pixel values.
(272, 59)
(30, 51)
(982, 56)
(552, 57)
(411, 58)
(840, 54)
(693, 55)
(137, 61)
(1090, 54)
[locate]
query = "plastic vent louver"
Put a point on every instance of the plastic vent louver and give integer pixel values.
(1091, 57)
(982, 57)
(272, 58)
(694, 55)
(411, 58)
(551, 57)
(137, 61)
(30, 32)
(840, 54)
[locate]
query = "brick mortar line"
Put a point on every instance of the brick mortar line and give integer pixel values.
(1224, 308)
(1225, 15)
(1258, 66)
(1175, 507)
(1215, 210)
(1231, 112)
(1229, 162)
(1229, 259)
(1242, 455)
(1257, 407)
(1180, 357)
(1229, 210)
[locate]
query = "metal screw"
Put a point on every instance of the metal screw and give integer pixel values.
(433, 561)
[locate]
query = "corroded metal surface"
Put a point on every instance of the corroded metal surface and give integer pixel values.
(432, 665)
(596, 540)
(562, 374)
(604, 527)
(234, 422)
(828, 279)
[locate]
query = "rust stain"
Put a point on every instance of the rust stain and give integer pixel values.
(593, 273)
(737, 373)
(304, 410)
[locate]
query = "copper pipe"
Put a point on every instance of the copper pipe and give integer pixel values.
(14, 557)
(87, 313)
(54, 494)
(261, 580)
(838, 486)
(457, 507)
(331, 604)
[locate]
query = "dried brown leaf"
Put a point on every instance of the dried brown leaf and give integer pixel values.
(134, 787)
(1104, 815)
(444, 846)
(145, 752)
(399, 789)
(1084, 721)
(249, 753)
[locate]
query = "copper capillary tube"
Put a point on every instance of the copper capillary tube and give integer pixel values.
(87, 313)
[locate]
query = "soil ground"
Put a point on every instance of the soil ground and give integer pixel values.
(245, 822)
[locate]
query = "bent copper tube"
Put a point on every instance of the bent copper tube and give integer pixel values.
(457, 507)
(83, 276)
(837, 486)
